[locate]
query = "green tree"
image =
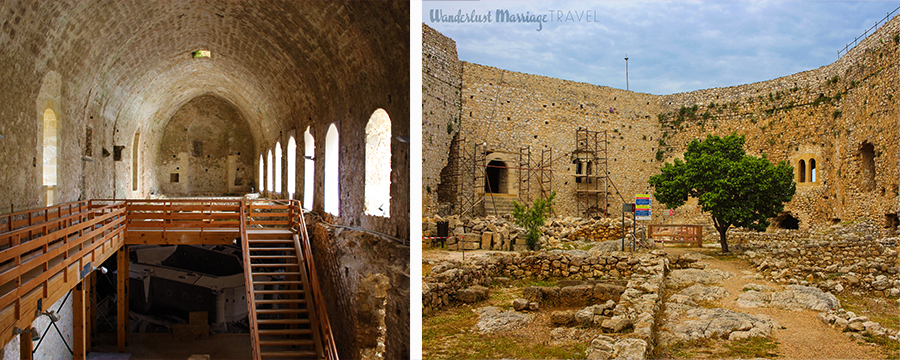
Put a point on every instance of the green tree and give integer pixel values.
(735, 188)
(533, 218)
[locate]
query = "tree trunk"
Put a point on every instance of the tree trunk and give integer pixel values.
(723, 231)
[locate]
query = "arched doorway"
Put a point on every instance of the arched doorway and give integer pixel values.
(495, 178)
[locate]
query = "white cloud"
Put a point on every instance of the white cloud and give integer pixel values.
(673, 46)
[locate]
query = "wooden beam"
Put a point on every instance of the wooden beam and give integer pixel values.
(122, 296)
(88, 309)
(26, 346)
(78, 322)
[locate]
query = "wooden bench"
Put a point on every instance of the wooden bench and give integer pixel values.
(677, 233)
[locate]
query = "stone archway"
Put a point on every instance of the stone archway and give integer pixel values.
(495, 180)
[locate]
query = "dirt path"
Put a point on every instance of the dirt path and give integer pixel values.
(802, 335)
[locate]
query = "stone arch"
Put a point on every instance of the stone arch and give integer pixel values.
(787, 221)
(497, 169)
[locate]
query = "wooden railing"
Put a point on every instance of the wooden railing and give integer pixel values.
(269, 213)
(325, 333)
(248, 279)
(16, 220)
(677, 233)
(47, 258)
(44, 253)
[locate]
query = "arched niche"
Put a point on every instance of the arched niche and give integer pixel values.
(206, 149)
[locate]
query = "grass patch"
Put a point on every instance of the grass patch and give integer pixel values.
(880, 310)
(523, 283)
(890, 348)
(449, 335)
(690, 349)
(755, 347)
(426, 269)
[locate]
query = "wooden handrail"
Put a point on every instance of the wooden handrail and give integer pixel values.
(29, 218)
(43, 262)
(324, 324)
(248, 280)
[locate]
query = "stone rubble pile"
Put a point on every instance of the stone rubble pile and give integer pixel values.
(849, 322)
(442, 285)
(794, 297)
(839, 259)
(718, 323)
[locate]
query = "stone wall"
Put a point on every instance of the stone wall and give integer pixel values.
(206, 149)
(851, 257)
(441, 86)
(843, 116)
(365, 280)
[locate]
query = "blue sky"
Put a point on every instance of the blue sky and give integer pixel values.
(673, 46)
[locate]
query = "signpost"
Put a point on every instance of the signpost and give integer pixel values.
(642, 211)
(626, 208)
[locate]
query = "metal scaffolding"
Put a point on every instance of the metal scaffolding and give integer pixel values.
(534, 174)
(591, 172)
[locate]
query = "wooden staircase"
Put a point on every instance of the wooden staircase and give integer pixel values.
(282, 308)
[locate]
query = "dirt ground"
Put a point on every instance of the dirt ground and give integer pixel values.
(802, 335)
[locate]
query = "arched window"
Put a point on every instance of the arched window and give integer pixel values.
(262, 173)
(332, 178)
(812, 170)
(50, 144)
(269, 185)
(378, 164)
(802, 172)
(278, 167)
(309, 169)
(291, 167)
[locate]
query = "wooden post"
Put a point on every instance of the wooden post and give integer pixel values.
(78, 323)
(88, 309)
(26, 346)
(122, 296)
(92, 316)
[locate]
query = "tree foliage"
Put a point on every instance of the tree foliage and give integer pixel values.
(533, 218)
(733, 187)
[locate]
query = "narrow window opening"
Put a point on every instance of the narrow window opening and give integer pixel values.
(867, 166)
(88, 141)
(891, 222)
(278, 167)
(309, 169)
(262, 172)
(332, 176)
(812, 170)
(378, 164)
(578, 171)
(270, 186)
(291, 167)
(802, 171)
(135, 160)
(49, 160)
(173, 177)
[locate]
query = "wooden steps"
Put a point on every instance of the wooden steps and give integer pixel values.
(285, 320)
